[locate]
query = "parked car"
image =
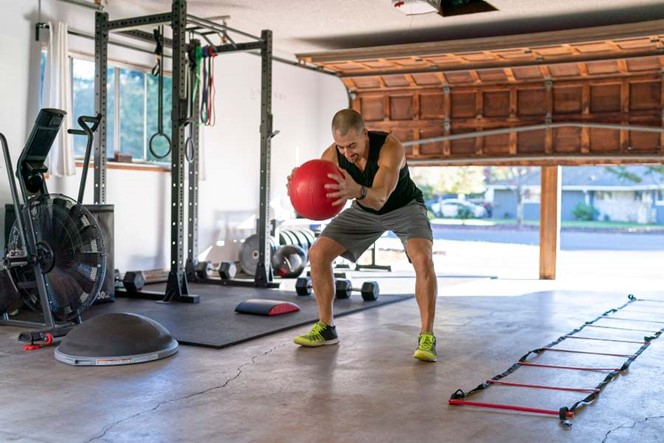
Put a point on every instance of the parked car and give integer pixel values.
(455, 208)
(483, 203)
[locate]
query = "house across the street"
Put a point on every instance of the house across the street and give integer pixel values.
(633, 194)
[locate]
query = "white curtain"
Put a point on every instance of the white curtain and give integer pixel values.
(57, 94)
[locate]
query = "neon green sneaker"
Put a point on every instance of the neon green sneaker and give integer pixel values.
(426, 347)
(321, 334)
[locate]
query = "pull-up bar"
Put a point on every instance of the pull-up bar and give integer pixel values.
(544, 126)
(551, 157)
(217, 27)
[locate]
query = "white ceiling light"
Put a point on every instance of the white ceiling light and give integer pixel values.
(442, 7)
(416, 7)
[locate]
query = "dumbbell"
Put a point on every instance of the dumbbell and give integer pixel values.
(303, 286)
(202, 269)
(227, 270)
(117, 278)
(370, 290)
(197, 270)
(133, 281)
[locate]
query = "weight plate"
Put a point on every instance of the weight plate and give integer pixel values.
(309, 234)
(249, 253)
(288, 235)
(301, 239)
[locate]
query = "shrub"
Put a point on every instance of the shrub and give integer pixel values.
(584, 212)
(464, 213)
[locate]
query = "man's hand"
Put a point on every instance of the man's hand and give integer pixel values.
(344, 189)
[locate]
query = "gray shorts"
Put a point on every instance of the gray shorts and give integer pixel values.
(357, 229)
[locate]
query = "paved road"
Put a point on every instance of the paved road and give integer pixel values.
(569, 240)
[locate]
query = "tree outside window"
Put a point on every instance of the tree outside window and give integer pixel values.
(132, 96)
(83, 95)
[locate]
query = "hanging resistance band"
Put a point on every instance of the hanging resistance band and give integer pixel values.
(208, 91)
(566, 413)
(194, 57)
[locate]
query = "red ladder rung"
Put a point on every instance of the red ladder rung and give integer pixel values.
(541, 365)
(571, 351)
(555, 388)
(568, 414)
(615, 340)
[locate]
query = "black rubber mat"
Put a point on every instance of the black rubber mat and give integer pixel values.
(214, 323)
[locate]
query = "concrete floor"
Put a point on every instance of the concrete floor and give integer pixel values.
(369, 388)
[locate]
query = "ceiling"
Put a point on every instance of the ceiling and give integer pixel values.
(303, 26)
(437, 81)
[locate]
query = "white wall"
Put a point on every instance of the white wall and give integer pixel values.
(19, 61)
(229, 196)
(303, 104)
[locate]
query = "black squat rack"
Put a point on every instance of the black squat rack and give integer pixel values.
(185, 150)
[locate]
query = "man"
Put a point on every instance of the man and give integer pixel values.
(375, 175)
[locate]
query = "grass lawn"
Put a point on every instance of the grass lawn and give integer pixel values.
(565, 224)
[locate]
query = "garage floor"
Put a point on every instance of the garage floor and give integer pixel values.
(369, 388)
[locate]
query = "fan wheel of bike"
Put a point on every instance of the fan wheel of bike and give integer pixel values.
(70, 250)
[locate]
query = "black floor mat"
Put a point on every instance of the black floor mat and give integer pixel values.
(214, 323)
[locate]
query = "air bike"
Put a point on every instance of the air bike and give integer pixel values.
(55, 251)
(55, 263)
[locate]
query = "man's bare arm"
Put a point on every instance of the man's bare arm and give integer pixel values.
(391, 159)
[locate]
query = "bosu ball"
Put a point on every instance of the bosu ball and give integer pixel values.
(116, 339)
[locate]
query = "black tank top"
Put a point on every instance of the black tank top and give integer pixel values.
(405, 191)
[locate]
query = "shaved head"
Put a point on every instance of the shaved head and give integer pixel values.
(347, 119)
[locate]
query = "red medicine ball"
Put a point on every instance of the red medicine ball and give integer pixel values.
(307, 190)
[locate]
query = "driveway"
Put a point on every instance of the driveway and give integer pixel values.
(514, 253)
(570, 240)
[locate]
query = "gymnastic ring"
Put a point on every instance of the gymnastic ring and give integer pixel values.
(189, 149)
(152, 140)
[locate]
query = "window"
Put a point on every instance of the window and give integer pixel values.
(132, 112)
(132, 107)
(83, 101)
(42, 73)
(659, 197)
(531, 194)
